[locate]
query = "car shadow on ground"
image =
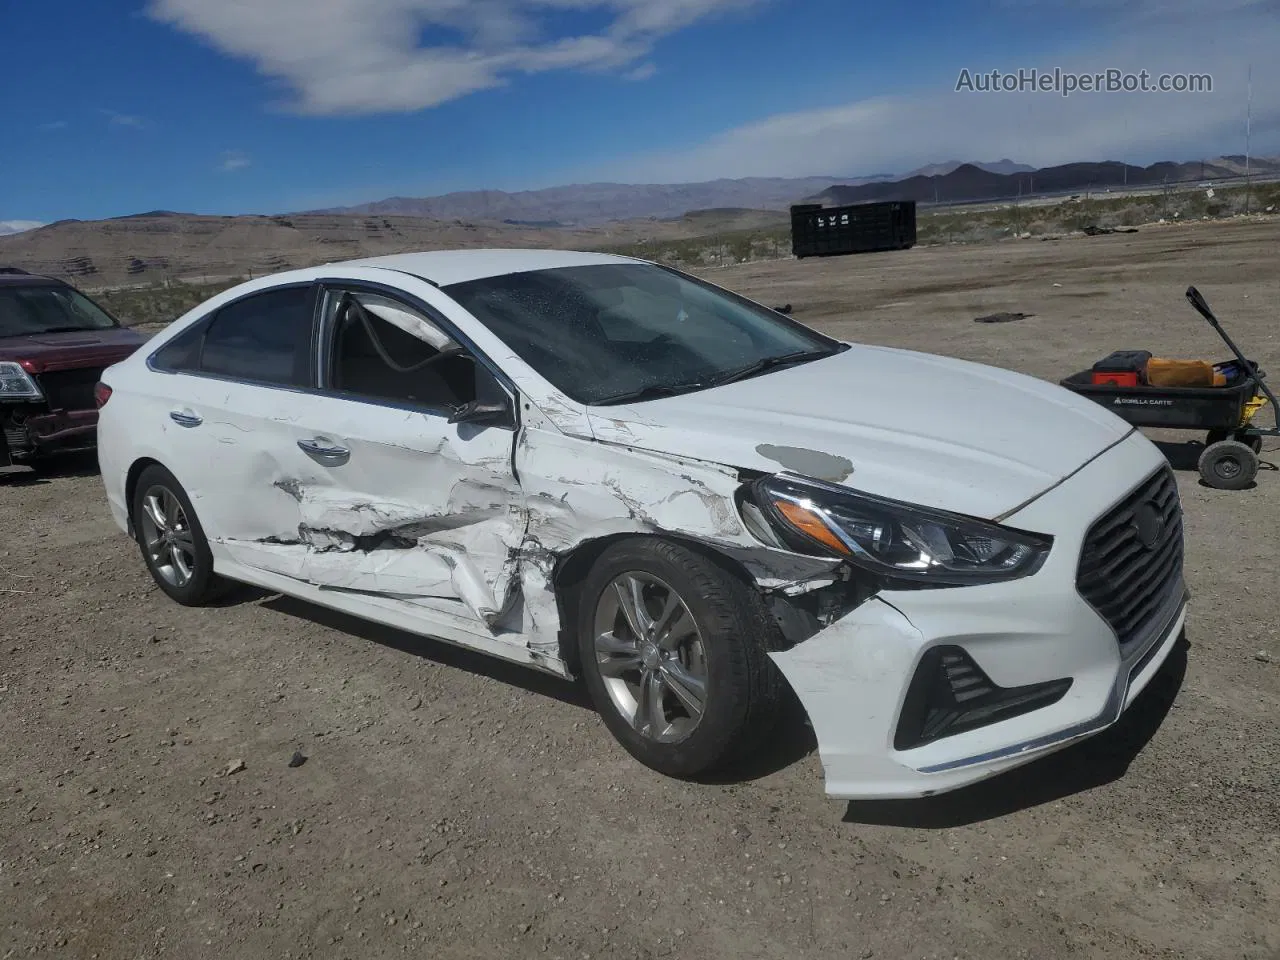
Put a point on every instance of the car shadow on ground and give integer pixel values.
(69, 465)
(1092, 763)
(437, 651)
(790, 741)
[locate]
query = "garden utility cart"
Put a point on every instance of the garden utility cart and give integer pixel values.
(1226, 412)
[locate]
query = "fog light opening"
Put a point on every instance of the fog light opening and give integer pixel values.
(950, 694)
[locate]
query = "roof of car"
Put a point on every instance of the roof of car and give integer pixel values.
(445, 267)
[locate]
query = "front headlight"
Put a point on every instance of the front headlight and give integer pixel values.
(16, 383)
(897, 541)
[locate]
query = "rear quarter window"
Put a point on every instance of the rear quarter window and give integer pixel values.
(182, 353)
(264, 338)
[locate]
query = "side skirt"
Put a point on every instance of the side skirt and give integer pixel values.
(415, 618)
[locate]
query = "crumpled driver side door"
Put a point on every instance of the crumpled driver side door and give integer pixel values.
(397, 497)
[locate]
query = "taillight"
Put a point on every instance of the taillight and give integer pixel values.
(101, 394)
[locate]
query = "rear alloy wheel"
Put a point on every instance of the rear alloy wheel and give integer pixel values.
(1228, 465)
(674, 651)
(172, 542)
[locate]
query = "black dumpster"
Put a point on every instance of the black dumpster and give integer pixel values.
(818, 231)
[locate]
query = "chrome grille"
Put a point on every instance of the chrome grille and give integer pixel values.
(1124, 578)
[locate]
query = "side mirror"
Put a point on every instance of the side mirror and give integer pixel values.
(491, 407)
(491, 413)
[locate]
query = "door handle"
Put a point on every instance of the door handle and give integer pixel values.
(321, 451)
(185, 418)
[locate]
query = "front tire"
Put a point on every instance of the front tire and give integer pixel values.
(172, 541)
(674, 651)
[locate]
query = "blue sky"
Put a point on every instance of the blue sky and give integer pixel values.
(237, 106)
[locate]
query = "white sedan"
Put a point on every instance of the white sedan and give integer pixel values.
(603, 468)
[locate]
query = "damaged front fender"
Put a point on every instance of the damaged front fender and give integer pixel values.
(578, 495)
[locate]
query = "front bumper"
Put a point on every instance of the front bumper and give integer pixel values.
(853, 677)
(31, 435)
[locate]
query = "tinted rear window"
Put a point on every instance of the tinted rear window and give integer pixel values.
(264, 338)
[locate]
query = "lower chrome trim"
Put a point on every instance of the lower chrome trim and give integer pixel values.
(1133, 664)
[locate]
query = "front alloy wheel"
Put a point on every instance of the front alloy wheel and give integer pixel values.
(674, 644)
(649, 652)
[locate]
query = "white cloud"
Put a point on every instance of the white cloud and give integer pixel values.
(233, 160)
(907, 130)
(10, 227)
(1154, 9)
(54, 125)
(365, 56)
(127, 120)
(642, 72)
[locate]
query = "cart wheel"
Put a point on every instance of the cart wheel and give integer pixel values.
(1250, 440)
(1228, 465)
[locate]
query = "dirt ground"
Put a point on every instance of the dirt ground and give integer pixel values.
(452, 807)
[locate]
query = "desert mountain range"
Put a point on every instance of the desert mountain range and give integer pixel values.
(151, 247)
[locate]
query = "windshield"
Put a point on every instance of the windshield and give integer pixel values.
(607, 333)
(48, 309)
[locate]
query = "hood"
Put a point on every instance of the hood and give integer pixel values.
(929, 430)
(79, 348)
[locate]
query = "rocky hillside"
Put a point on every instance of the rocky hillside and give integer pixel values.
(153, 247)
(593, 204)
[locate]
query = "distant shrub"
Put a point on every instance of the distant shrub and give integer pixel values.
(139, 306)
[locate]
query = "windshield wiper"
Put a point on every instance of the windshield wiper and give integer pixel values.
(654, 391)
(651, 392)
(66, 330)
(770, 363)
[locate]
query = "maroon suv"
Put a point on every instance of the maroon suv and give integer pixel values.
(54, 344)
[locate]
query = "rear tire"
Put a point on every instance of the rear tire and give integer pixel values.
(172, 542)
(674, 650)
(1228, 465)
